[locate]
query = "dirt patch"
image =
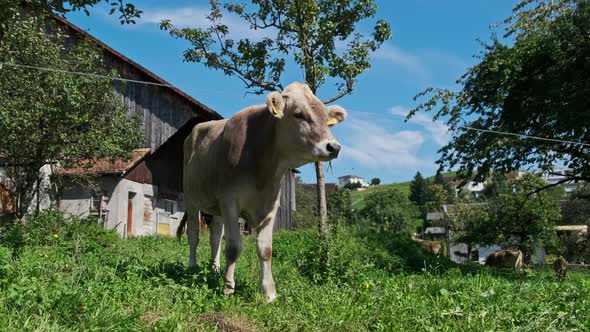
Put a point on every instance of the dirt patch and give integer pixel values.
(150, 317)
(224, 323)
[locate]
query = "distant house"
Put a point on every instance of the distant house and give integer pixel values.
(344, 180)
(143, 195)
(457, 252)
(559, 174)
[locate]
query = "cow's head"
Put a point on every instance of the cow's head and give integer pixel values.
(303, 123)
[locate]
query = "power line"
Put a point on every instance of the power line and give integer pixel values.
(83, 74)
(524, 136)
(555, 140)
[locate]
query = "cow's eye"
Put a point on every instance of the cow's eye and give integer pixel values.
(299, 115)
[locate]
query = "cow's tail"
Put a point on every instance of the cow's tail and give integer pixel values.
(518, 264)
(181, 226)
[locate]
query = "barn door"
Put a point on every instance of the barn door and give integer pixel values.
(130, 214)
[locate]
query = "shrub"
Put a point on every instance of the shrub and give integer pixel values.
(356, 252)
(389, 211)
(54, 227)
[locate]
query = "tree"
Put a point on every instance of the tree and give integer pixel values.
(496, 185)
(389, 211)
(467, 221)
(340, 206)
(53, 117)
(531, 81)
(576, 208)
(353, 185)
(375, 181)
(576, 211)
(305, 31)
(9, 9)
(417, 189)
(439, 179)
(515, 219)
(435, 196)
(305, 215)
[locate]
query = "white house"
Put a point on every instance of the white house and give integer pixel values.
(344, 180)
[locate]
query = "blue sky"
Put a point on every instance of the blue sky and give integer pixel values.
(433, 43)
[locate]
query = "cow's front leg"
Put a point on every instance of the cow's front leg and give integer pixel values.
(215, 235)
(233, 247)
(264, 250)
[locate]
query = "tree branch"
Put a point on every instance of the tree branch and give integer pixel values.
(551, 185)
(340, 95)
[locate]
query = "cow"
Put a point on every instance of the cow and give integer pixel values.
(232, 169)
(505, 258)
(560, 266)
(432, 246)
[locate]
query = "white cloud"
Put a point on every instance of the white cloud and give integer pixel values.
(373, 146)
(439, 132)
(407, 61)
(196, 17)
(442, 58)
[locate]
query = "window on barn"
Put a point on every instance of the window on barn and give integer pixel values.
(169, 206)
(98, 204)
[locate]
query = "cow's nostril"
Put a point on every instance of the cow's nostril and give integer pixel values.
(333, 148)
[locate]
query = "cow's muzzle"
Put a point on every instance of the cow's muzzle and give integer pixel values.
(333, 149)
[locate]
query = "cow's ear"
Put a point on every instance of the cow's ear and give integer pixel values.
(275, 104)
(336, 114)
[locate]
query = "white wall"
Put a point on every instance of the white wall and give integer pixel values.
(147, 208)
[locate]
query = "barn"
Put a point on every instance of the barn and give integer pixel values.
(143, 195)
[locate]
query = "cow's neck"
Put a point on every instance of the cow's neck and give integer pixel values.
(271, 163)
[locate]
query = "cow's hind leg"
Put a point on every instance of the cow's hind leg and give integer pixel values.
(192, 233)
(264, 250)
(215, 234)
(233, 247)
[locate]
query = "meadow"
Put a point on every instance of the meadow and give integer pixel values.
(66, 274)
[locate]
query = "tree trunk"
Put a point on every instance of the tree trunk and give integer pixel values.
(322, 205)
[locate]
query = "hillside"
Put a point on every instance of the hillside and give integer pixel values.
(357, 197)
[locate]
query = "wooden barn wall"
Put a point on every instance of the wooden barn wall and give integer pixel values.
(160, 109)
(284, 218)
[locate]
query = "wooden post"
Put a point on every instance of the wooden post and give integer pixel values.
(322, 206)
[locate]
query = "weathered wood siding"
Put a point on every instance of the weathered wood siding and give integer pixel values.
(161, 113)
(284, 218)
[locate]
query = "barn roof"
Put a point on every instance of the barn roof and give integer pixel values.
(106, 166)
(211, 114)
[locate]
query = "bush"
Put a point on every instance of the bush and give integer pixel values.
(356, 252)
(389, 211)
(54, 227)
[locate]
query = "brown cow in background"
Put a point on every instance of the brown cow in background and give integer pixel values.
(505, 258)
(560, 266)
(433, 246)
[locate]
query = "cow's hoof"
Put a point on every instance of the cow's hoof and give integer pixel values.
(228, 291)
(270, 298)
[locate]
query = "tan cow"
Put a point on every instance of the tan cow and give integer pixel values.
(433, 246)
(560, 266)
(233, 168)
(505, 258)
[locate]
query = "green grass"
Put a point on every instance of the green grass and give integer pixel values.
(91, 281)
(357, 197)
